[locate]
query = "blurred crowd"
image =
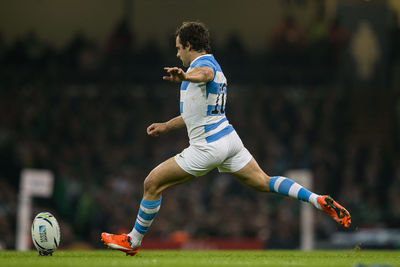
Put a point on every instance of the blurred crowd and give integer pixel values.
(82, 112)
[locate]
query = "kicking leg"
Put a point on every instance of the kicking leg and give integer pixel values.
(253, 176)
(166, 174)
(160, 178)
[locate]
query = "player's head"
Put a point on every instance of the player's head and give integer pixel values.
(191, 36)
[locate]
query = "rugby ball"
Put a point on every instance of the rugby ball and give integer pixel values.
(45, 233)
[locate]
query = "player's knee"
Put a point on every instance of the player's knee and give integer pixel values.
(264, 180)
(263, 187)
(260, 183)
(150, 185)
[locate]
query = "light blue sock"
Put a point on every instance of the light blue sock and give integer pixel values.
(147, 212)
(287, 187)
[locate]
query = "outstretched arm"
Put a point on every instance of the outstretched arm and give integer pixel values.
(196, 75)
(159, 128)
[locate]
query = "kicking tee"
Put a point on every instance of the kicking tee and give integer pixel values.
(203, 105)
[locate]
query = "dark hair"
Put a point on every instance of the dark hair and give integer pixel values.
(196, 33)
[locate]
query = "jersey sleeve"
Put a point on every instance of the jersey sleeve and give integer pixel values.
(206, 63)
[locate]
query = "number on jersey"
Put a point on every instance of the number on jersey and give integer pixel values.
(221, 100)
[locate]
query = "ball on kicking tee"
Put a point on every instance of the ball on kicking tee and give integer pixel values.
(45, 233)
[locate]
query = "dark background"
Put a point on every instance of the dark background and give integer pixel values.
(312, 84)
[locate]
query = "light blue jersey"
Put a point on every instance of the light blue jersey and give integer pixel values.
(203, 105)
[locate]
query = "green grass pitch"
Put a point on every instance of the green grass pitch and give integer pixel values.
(202, 258)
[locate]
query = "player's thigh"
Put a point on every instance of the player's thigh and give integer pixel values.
(252, 175)
(165, 175)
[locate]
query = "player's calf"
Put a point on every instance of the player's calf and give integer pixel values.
(287, 187)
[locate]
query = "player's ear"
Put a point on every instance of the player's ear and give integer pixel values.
(189, 45)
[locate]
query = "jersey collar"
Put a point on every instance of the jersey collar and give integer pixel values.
(194, 60)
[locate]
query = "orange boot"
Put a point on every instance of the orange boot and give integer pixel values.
(119, 242)
(335, 210)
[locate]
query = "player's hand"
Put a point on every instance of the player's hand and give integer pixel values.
(175, 74)
(156, 129)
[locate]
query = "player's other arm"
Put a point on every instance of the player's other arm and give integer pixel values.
(159, 128)
(196, 75)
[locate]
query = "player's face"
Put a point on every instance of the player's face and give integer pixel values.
(183, 53)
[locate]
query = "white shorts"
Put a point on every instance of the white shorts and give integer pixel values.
(228, 154)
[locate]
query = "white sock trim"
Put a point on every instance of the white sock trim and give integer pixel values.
(294, 190)
(136, 238)
(149, 211)
(143, 222)
(313, 200)
(278, 183)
